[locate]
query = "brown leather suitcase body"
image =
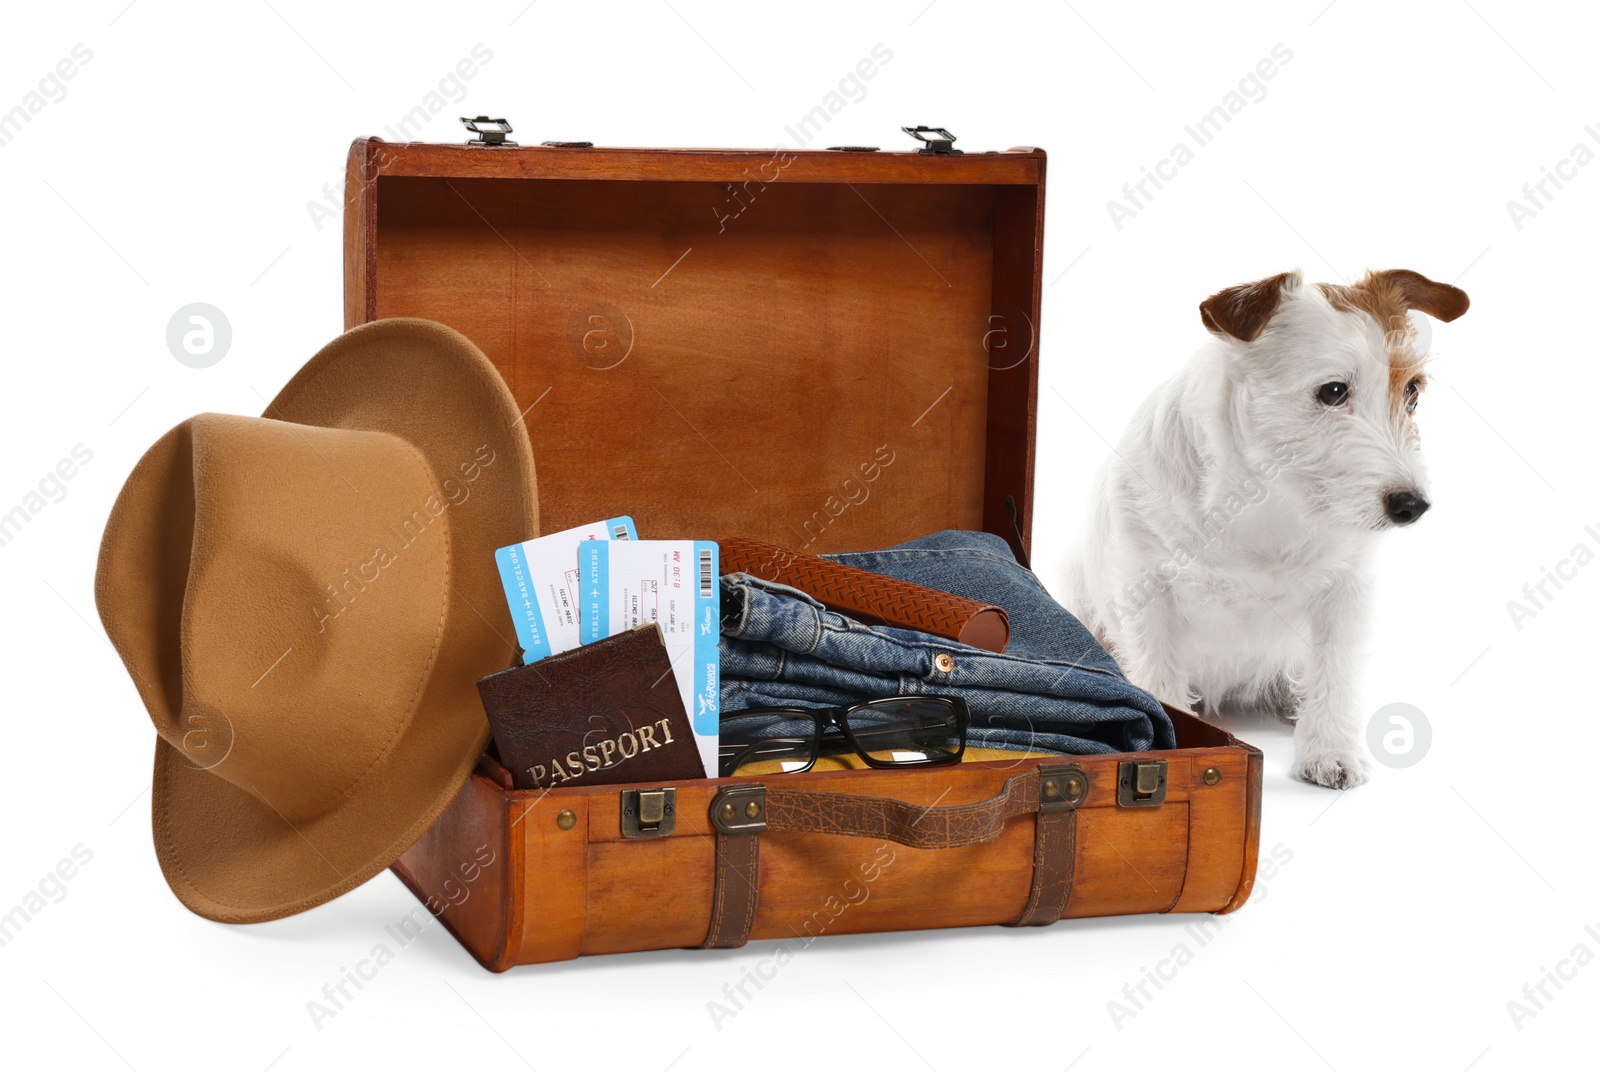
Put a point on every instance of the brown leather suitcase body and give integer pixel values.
(826, 350)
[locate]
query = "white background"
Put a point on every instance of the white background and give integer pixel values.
(178, 168)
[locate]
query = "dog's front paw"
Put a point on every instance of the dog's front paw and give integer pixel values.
(1333, 768)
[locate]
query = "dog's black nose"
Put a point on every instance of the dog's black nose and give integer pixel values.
(1404, 507)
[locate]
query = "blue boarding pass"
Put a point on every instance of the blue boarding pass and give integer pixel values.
(672, 583)
(540, 577)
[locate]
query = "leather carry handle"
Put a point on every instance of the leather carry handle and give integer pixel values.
(741, 813)
(912, 825)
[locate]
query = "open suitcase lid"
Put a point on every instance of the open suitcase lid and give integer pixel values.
(828, 350)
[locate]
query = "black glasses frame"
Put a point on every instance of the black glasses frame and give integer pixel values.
(838, 718)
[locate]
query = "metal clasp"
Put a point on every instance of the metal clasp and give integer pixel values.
(1062, 787)
(490, 132)
(648, 813)
(740, 809)
(943, 145)
(1141, 784)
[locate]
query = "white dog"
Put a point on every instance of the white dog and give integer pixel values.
(1225, 561)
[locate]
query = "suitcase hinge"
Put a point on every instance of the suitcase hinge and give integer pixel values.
(648, 813)
(1141, 784)
(490, 132)
(943, 144)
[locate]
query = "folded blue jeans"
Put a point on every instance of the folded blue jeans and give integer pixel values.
(1054, 688)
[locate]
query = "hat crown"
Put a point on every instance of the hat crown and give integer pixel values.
(316, 555)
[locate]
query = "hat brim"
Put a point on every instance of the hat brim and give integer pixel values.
(228, 854)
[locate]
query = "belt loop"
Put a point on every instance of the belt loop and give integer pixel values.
(1062, 788)
(739, 815)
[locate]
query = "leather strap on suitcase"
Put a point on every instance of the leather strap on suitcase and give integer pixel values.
(741, 814)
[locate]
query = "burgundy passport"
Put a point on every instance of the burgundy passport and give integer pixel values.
(601, 713)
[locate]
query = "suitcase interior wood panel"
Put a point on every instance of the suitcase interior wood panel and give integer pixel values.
(824, 365)
(634, 363)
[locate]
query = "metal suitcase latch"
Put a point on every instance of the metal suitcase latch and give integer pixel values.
(942, 144)
(490, 132)
(1141, 785)
(648, 813)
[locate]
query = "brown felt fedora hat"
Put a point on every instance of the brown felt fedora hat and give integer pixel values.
(305, 601)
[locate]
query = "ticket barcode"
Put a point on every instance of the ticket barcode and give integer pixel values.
(706, 577)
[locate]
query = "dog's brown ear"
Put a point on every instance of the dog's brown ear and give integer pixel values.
(1243, 311)
(1439, 300)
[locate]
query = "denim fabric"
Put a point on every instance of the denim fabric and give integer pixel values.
(1054, 689)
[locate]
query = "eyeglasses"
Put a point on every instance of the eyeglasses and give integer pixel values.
(897, 731)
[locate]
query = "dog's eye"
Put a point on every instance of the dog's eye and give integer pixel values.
(1333, 394)
(1413, 392)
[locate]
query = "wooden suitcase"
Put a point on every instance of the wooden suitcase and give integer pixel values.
(825, 349)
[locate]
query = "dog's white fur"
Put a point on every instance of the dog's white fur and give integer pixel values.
(1226, 554)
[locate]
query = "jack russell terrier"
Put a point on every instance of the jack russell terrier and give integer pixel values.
(1226, 557)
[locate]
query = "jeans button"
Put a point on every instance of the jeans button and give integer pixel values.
(944, 662)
